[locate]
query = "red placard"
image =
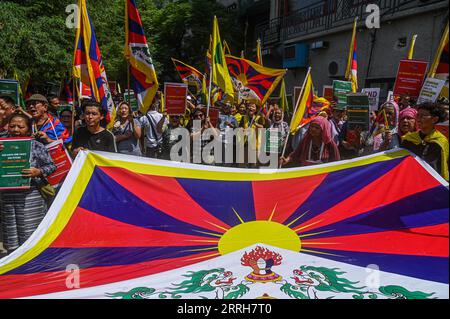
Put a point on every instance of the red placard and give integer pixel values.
(175, 95)
(410, 77)
(213, 115)
(62, 161)
(328, 92)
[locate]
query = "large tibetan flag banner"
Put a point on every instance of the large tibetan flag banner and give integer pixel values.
(188, 74)
(88, 64)
(252, 81)
(142, 228)
(143, 76)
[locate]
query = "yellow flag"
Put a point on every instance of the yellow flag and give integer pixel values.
(220, 75)
(283, 97)
(411, 47)
(259, 52)
(300, 110)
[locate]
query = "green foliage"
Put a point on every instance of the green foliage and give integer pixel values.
(36, 42)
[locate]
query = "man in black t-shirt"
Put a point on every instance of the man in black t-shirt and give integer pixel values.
(92, 136)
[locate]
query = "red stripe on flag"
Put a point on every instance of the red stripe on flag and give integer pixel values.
(88, 229)
(421, 241)
(167, 195)
(406, 179)
(287, 195)
(17, 286)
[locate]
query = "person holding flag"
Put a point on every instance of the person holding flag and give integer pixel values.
(88, 64)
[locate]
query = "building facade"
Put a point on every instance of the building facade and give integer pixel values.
(317, 33)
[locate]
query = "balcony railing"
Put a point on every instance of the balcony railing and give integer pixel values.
(328, 14)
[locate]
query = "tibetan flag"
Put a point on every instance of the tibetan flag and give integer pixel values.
(309, 106)
(188, 74)
(441, 63)
(137, 228)
(220, 75)
(88, 64)
(411, 47)
(351, 73)
(252, 81)
(143, 76)
(259, 53)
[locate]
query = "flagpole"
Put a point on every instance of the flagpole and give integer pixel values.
(73, 105)
(295, 110)
(128, 83)
(209, 90)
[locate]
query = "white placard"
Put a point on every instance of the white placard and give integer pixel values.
(374, 97)
(430, 90)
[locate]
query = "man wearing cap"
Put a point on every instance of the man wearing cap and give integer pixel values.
(337, 122)
(46, 127)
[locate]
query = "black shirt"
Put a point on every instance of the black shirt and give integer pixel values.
(102, 141)
(429, 152)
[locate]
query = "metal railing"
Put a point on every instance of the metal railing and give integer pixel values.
(327, 14)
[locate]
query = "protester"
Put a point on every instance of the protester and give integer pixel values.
(23, 210)
(337, 122)
(127, 131)
(202, 123)
(407, 121)
(277, 123)
(54, 105)
(46, 128)
(65, 116)
(153, 123)
(6, 110)
(317, 146)
(93, 136)
(428, 143)
(170, 137)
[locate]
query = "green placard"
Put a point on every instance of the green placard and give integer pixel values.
(340, 91)
(129, 97)
(10, 88)
(273, 141)
(13, 159)
(358, 111)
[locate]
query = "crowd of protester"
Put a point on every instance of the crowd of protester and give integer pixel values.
(326, 138)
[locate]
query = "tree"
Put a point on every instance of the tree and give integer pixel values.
(36, 42)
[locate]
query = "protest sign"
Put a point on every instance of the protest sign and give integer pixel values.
(328, 92)
(112, 86)
(273, 141)
(374, 97)
(14, 158)
(358, 112)
(130, 98)
(410, 77)
(340, 91)
(10, 88)
(62, 161)
(175, 98)
(213, 115)
(430, 90)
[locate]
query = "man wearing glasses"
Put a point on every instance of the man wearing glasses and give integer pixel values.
(46, 127)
